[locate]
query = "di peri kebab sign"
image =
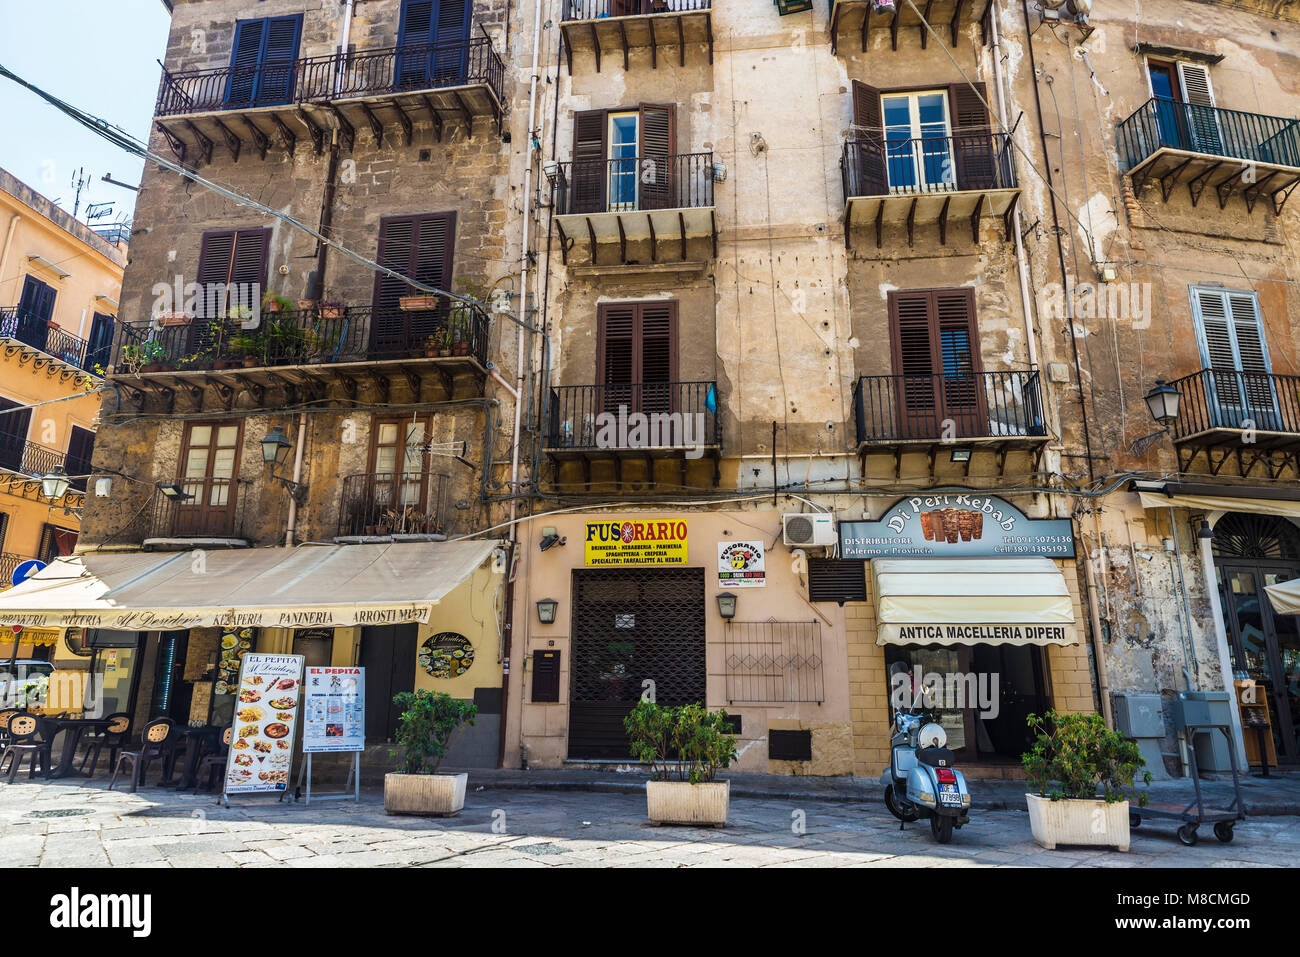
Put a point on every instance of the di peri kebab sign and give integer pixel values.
(633, 542)
(959, 525)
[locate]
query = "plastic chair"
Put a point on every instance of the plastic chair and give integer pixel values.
(5, 715)
(26, 739)
(215, 763)
(155, 745)
(114, 737)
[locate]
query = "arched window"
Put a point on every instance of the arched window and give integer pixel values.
(1255, 537)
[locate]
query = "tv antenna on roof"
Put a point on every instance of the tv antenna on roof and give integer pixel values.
(79, 184)
(96, 211)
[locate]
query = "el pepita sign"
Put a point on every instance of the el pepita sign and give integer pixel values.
(633, 542)
(956, 525)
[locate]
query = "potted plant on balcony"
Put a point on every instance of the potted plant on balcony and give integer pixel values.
(685, 747)
(1080, 769)
(429, 722)
(420, 303)
(151, 356)
(274, 302)
(458, 329)
(174, 318)
(248, 347)
(331, 310)
(306, 305)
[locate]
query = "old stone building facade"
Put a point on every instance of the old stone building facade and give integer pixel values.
(835, 327)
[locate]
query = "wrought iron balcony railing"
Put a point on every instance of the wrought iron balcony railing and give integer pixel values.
(880, 165)
(213, 508)
(339, 76)
(982, 405)
(600, 9)
(635, 183)
(323, 334)
(393, 503)
(1210, 130)
(1228, 400)
(29, 328)
(649, 415)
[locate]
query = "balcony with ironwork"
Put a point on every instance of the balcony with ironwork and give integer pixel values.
(936, 415)
(859, 19)
(208, 511)
(392, 506)
(1247, 418)
(1168, 143)
(277, 104)
(437, 345)
(8, 565)
(604, 27)
(929, 181)
(23, 325)
(641, 422)
(640, 209)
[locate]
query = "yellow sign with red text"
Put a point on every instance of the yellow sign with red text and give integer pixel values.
(635, 543)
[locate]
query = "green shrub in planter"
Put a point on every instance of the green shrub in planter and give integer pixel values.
(1077, 756)
(689, 734)
(429, 722)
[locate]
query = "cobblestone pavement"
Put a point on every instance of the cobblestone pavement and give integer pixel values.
(61, 824)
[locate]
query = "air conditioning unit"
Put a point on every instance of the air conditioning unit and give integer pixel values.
(809, 528)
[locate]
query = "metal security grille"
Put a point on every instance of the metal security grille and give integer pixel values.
(774, 661)
(631, 625)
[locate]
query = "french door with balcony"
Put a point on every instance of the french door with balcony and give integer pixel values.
(399, 466)
(939, 389)
(263, 65)
(1230, 334)
(419, 246)
(1185, 113)
(636, 345)
(209, 476)
(625, 160)
(918, 155)
(433, 42)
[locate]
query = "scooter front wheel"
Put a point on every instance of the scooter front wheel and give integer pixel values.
(941, 828)
(891, 802)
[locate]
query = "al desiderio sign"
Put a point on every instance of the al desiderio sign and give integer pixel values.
(956, 525)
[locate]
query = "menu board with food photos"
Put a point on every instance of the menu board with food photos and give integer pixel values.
(334, 710)
(266, 713)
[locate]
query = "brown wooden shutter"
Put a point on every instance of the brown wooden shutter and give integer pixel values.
(546, 676)
(227, 257)
(616, 359)
(396, 240)
(420, 247)
(658, 340)
(972, 136)
(589, 173)
(962, 396)
(936, 359)
(636, 345)
(431, 266)
(867, 177)
(658, 126)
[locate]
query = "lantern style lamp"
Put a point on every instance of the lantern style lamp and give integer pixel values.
(55, 483)
(546, 610)
(1162, 401)
(275, 447)
(727, 605)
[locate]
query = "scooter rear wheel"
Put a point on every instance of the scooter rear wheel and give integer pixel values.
(891, 802)
(941, 828)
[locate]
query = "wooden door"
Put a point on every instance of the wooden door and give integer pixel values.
(209, 475)
(939, 389)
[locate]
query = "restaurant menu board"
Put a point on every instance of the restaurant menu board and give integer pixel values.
(266, 710)
(334, 709)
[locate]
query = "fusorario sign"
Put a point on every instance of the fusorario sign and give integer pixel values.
(956, 525)
(636, 543)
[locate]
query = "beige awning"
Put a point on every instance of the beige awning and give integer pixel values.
(972, 601)
(1217, 503)
(1285, 597)
(308, 586)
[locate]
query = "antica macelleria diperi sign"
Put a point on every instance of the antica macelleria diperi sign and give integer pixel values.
(958, 525)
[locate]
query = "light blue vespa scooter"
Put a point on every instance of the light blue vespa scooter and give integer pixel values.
(921, 780)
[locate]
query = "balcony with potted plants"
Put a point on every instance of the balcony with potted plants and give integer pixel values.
(432, 342)
(46, 336)
(613, 27)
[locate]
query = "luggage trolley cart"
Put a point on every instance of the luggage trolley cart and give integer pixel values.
(1193, 717)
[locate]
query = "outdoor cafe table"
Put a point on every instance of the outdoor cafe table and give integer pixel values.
(71, 729)
(201, 739)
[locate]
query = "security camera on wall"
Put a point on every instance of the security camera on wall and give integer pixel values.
(1076, 11)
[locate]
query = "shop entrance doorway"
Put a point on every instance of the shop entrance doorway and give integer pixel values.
(631, 626)
(1250, 553)
(388, 655)
(999, 686)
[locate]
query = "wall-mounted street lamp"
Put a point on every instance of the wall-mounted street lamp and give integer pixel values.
(727, 605)
(1162, 402)
(275, 451)
(55, 483)
(546, 610)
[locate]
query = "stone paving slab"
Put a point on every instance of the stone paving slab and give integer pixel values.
(85, 825)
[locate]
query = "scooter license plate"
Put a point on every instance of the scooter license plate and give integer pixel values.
(948, 795)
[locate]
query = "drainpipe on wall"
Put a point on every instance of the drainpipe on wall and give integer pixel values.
(1022, 266)
(1221, 640)
(297, 478)
(1098, 638)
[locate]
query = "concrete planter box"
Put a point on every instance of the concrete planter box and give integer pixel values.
(430, 795)
(680, 802)
(1076, 821)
